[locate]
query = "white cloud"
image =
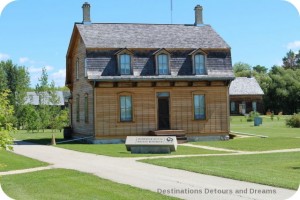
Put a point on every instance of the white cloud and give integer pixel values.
(33, 69)
(294, 45)
(23, 60)
(4, 57)
(59, 77)
(36, 73)
(60, 74)
(49, 68)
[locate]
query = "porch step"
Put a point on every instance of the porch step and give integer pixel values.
(179, 134)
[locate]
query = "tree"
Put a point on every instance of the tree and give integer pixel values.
(54, 110)
(291, 60)
(284, 90)
(6, 113)
(242, 69)
(15, 79)
(48, 100)
(30, 118)
(41, 90)
(3, 84)
(260, 69)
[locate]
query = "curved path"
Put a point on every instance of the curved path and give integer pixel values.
(150, 177)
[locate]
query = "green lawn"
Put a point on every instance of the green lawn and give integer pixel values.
(255, 144)
(279, 136)
(38, 137)
(68, 184)
(115, 150)
(10, 161)
(277, 169)
(275, 128)
(119, 150)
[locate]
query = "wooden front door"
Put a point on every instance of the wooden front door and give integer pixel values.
(163, 113)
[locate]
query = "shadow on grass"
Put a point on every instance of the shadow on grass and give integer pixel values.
(296, 168)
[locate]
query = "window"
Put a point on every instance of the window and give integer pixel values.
(77, 109)
(254, 106)
(125, 64)
(85, 67)
(125, 108)
(77, 68)
(86, 108)
(232, 106)
(198, 57)
(199, 64)
(163, 64)
(199, 107)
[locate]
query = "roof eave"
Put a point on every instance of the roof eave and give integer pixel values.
(137, 79)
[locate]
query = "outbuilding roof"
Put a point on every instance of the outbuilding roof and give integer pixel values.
(102, 35)
(32, 98)
(245, 86)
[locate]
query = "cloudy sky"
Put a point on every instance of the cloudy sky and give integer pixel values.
(36, 34)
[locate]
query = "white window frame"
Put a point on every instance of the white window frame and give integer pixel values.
(163, 65)
(199, 64)
(127, 63)
(199, 107)
(126, 112)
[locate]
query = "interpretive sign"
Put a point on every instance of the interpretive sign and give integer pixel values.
(150, 144)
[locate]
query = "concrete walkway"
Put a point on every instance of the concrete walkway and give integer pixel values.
(172, 182)
(21, 171)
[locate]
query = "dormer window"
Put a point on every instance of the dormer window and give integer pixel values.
(199, 62)
(162, 58)
(163, 64)
(124, 62)
(198, 58)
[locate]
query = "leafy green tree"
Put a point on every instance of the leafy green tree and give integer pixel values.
(61, 120)
(291, 60)
(260, 69)
(41, 90)
(284, 90)
(48, 108)
(242, 69)
(6, 113)
(54, 108)
(30, 118)
(16, 79)
(3, 84)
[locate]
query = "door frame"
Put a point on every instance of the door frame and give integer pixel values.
(162, 95)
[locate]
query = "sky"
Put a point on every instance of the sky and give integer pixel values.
(36, 34)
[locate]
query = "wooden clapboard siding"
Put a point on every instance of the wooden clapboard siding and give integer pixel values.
(145, 111)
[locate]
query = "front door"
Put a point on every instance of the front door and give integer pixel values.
(163, 113)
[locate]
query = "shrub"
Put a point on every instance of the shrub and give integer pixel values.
(252, 115)
(293, 121)
(272, 116)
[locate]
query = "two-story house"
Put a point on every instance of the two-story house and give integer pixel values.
(131, 79)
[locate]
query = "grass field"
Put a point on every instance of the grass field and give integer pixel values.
(38, 137)
(279, 136)
(277, 169)
(10, 161)
(255, 144)
(115, 150)
(119, 150)
(275, 128)
(57, 184)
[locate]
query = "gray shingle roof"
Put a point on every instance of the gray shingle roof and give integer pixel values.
(245, 86)
(33, 99)
(150, 36)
